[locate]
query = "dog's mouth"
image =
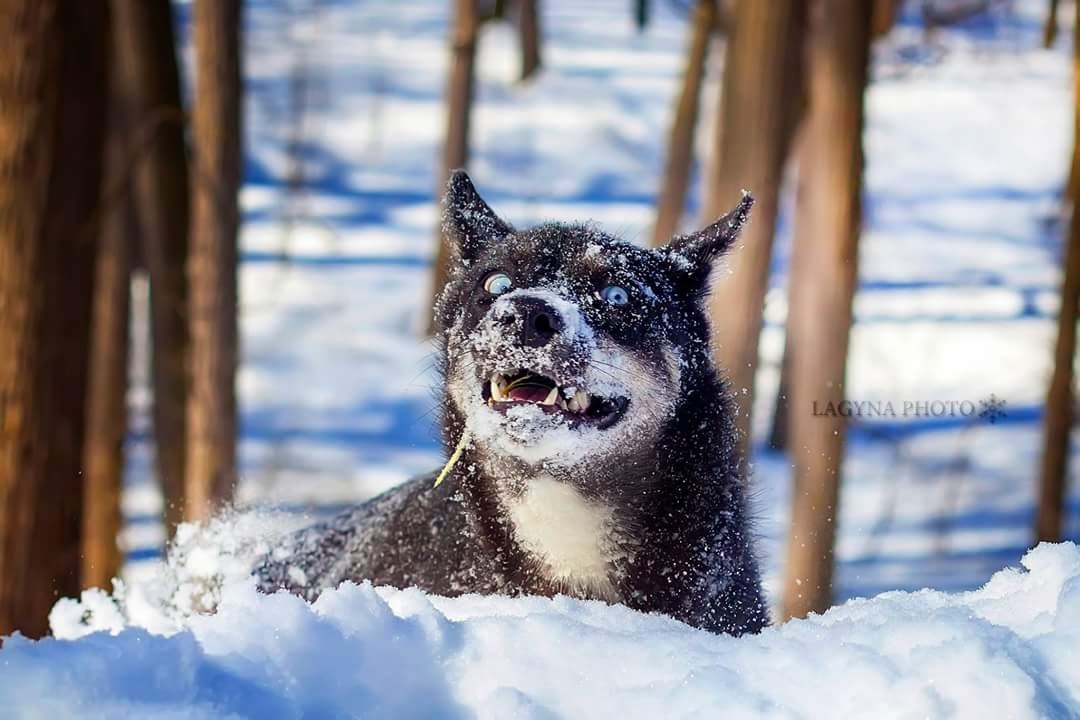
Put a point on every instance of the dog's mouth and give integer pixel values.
(524, 387)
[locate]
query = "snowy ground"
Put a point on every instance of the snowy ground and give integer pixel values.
(967, 145)
(1007, 650)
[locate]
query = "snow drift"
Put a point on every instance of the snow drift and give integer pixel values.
(1010, 649)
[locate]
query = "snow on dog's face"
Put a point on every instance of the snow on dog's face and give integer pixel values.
(563, 344)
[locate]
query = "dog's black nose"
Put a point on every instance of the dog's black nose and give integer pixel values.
(540, 322)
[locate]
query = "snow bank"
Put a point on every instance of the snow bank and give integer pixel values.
(1010, 649)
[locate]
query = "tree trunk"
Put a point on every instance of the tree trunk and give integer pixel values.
(884, 17)
(106, 409)
(778, 433)
(52, 118)
(822, 288)
(1050, 28)
(529, 31)
(144, 30)
(210, 472)
(641, 14)
(759, 109)
(459, 96)
(1058, 419)
(681, 140)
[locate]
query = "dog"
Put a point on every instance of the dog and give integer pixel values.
(591, 442)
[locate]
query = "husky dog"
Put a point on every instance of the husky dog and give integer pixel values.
(592, 444)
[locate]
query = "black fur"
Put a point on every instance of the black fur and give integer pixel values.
(676, 491)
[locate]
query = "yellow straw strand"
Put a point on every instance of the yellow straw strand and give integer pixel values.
(453, 458)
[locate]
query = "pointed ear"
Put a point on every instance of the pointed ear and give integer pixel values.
(694, 253)
(468, 223)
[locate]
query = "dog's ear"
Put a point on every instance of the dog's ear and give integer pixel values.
(693, 254)
(468, 223)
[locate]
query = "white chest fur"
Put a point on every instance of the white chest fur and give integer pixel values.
(568, 534)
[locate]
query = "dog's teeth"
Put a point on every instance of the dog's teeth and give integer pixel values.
(573, 406)
(550, 399)
(561, 402)
(582, 399)
(496, 390)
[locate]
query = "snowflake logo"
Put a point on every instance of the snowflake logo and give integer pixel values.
(992, 408)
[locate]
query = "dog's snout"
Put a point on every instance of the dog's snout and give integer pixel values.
(536, 321)
(506, 318)
(542, 323)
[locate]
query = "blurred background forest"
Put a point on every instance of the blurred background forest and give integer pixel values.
(219, 246)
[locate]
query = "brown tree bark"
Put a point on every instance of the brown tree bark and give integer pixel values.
(759, 108)
(681, 140)
(1050, 27)
(725, 11)
(822, 288)
(529, 32)
(778, 433)
(106, 408)
(52, 120)
(107, 403)
(459, 96)
(884, 17)
(1059, 414)
(144, 34)
(210, 472)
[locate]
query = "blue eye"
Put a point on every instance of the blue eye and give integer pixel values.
(615, 295)
(498, 283)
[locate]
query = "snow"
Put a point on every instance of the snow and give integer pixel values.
(1008, 649)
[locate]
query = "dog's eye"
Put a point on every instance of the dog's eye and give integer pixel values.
(497, 283)
(615, 295)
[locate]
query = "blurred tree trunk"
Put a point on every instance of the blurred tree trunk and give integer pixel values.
(885, 12)
(725, 11)
(490, 10)
(779, 430)
(1050, 28)
(681, 140)
(1059, 413)
(459, 96)
(53, 87)
(106, 405)
(529, 32)
(144, 30)
(822, 288)
(210, 471)
(759, 109)
(641, 14)
(778, 433)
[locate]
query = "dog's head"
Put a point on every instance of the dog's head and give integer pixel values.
(565, 345)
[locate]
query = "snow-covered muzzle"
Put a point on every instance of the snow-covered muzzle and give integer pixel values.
(535, 381)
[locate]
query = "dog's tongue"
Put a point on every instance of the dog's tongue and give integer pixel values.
(529, 393)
